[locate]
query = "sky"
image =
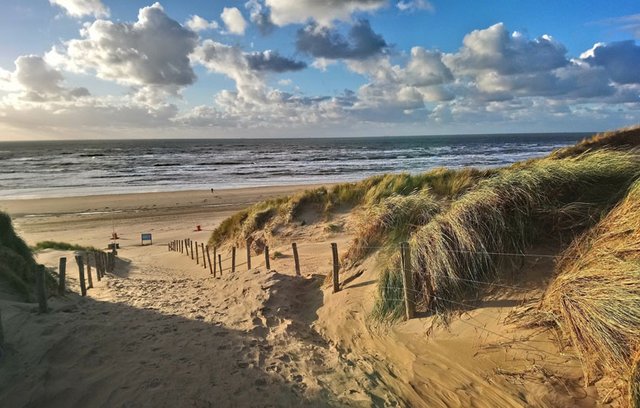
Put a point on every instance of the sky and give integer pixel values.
(99, 69)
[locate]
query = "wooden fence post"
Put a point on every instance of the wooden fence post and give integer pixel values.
(266, 258)
(407, 280)
(41, 290)
(197, 255)
(83, 288)
(86, 254)
(209, 260)
(191, 245)
(220, 263)
(296, 260)
(186, 247)
(336, 267)
(97, 261)
(204, 261)
(215, 266)
(248, 255)
(62, 275)
(233, 259)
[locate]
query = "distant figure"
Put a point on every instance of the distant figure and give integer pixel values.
(211, 191)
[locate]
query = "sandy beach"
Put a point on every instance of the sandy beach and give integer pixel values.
(162, 331)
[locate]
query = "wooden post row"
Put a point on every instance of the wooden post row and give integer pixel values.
(197, 255)
(220, 264)
(336, 267)
(191, 245)
(204, 260)
(83, 288)
(266, 258)
(407, 280)
(62, 275)
(296, 260)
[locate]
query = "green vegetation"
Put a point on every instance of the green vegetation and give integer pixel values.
(323, 202)
(61, 246)
(523, 205)
(392, 221)
(623, 139)
(595, 298)
(17, 266)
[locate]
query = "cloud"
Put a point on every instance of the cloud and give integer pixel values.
(495, 49)
(620, 59)
(324, 12)
(414, 5)
(272, 61)
(197, 23)
(629, 23)
(233, 20)
(35, 80)
(323, 42)
(152, 52)
(81, 8)
(260, 16)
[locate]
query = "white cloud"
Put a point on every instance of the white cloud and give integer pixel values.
(36, 81)
(152, 52)
(81, 8)
(324, 12)
(233, 20)
(413, 5)
(197, 23)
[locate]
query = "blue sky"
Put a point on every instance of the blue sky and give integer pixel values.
(269, 68)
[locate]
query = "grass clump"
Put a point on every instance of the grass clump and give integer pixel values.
(323, 201)
(392, 221)
(623, 139)
(61, 246)
(17, 266)
(595, 298)
(509, 212)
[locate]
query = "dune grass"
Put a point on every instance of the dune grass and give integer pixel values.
(17, 266)
(595, 298)
(61, 246)
(392, 221)
(622, 139)
(323, 201)
(506, 214)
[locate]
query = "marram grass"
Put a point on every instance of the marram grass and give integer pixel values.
(595, 297)
(323, 201)
(507, 213)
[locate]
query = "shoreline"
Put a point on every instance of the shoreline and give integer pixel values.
(145, 203)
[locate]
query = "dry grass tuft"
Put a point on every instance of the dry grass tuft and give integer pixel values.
(392, 221)
(595, 298)
(622, 139)
(508, 213)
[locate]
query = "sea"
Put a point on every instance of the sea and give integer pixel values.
(72, 168)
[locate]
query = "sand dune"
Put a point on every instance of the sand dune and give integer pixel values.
(161, 331)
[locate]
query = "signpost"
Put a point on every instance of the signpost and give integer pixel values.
(146, 237)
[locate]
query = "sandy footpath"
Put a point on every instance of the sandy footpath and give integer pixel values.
(162, 331)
